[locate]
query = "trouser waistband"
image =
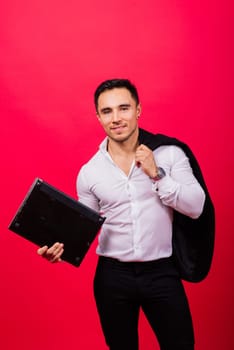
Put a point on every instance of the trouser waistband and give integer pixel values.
(136, 264)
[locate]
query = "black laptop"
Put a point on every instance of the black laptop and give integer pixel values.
(48, 215)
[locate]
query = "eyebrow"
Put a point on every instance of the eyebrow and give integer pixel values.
(107, 109)
(124, 105)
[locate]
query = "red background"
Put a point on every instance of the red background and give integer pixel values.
(52, 56)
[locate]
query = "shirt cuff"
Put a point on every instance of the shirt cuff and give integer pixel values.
(155, 184)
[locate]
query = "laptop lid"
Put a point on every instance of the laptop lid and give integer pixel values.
(48, 215)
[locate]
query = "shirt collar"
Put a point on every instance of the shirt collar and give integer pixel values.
(103, 145)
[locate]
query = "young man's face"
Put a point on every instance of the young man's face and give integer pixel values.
(118, 113)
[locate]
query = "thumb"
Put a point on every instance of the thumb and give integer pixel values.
(42, 250)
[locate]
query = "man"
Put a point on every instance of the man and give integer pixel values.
(138, 191)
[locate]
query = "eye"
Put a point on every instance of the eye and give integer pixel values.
(106, 111)
(124, 108)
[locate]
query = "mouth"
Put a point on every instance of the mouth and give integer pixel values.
(118, 128)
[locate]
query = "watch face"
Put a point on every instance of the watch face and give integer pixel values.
(161, 173)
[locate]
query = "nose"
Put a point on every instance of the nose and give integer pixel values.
(115, 116)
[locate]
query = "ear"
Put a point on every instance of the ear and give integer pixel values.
(139, 110)
(97, 115)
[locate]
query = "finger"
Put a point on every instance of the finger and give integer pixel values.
(54, 250)
(139, 149)
(143, 151)
(57, 257)
(57, 251)
(142, 147)
(140, 156)
(42, 250)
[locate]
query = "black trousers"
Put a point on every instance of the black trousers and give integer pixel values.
(122, 288)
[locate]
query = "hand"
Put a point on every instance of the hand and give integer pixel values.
(145, 159)
(53, 254)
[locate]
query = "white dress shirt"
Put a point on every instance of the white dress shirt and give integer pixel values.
(139, 214)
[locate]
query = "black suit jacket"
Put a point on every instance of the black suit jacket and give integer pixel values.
(192, 239)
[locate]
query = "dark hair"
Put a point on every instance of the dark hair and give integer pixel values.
(115, 83)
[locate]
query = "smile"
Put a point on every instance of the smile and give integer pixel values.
(118, 128)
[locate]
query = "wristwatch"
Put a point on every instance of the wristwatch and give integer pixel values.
(160, 174)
